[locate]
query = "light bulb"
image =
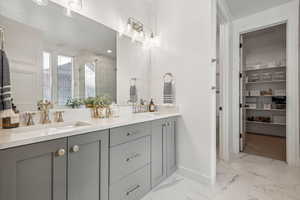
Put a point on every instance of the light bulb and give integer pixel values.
(129, 28)
(146, 43)
(68, 12)
(74, 4)
(41, 2)
(134, 36)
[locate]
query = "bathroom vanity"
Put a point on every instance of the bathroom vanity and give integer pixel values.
(121, 162)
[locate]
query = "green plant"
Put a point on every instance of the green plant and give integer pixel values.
(102, 101)
(74, 102)
(89, 101)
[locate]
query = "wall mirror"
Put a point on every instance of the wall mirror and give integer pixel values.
(54, 56)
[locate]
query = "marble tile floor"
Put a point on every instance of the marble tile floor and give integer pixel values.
(248, 177)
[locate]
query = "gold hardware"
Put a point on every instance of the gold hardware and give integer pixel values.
(30, 120)
(75, 148)
(60, 152)
(60, 116)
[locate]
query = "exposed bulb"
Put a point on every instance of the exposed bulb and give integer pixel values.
(121, 31)
(41, 2)
(129, 28)
(135, 34)
(68, 12)
(146, 43)
(74, 4)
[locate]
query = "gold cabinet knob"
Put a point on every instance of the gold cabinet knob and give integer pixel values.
(75, 148)
(61, 152)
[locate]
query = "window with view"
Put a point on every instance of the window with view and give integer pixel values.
(47, 76)
(64, 78)
(90, 80)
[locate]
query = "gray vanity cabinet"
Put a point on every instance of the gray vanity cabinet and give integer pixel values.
(159, 152)
(74, 168)
(163, 149)
(34, 172)
(88, 166)
(171, 128)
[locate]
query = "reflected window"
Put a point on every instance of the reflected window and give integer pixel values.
(64, 78)
(47, 76)
(90, 80)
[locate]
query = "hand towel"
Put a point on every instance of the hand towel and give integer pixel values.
(133, 94)
(5, 87)
(168, 96)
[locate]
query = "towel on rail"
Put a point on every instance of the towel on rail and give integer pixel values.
(5, 87)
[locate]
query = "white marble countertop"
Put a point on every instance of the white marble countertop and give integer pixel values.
(28, 135)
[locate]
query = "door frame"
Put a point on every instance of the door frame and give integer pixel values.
(289, 15)
(224, 63)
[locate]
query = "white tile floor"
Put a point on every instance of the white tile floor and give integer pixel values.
(247, 178)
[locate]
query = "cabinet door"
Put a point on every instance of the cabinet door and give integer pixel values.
(34, 172)
(171, 146)
(88, 166)
(159, 152)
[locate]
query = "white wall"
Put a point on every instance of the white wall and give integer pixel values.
(285, 13)
(186, 45)
(132, 62)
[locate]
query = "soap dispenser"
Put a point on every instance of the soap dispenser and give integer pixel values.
(151, 106)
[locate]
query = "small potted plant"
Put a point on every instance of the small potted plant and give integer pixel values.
(101, 104)
(89, 102)
(74, 102)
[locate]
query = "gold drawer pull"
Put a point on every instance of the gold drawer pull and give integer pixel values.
(132, 190)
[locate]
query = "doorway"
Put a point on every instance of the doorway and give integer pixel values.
(263, 100)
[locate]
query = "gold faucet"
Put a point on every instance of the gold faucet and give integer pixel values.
(30, 120)
(45, 106)
(59, 116)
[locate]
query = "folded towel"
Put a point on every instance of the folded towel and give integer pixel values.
(5, 87)
(133, 94)
(168, 93)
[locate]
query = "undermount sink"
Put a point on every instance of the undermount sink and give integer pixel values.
(55, 127)
(69, 125)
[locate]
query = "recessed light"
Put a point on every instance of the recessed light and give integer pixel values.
(109, 51)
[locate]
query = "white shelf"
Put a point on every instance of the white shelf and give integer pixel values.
(267, 96)
(261, 109)
(271, 68)
(265, 82)
(265, 123)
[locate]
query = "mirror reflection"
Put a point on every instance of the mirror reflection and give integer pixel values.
(56, 57)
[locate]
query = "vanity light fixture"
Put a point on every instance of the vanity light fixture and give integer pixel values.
(109, 51)
(136, 29)
(41, 2)
(135, 25)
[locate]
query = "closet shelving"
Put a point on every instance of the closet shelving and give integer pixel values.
(264, 68)
(264, 81)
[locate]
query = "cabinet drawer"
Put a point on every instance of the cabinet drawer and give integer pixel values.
(127, 133)
(128, 157)
(133, 187)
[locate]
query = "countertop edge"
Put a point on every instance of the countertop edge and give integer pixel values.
(94, 127)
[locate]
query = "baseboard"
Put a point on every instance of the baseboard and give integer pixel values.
(194, 175)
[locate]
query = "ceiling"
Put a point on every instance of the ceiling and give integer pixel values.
(77, 32)
(242, 8)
